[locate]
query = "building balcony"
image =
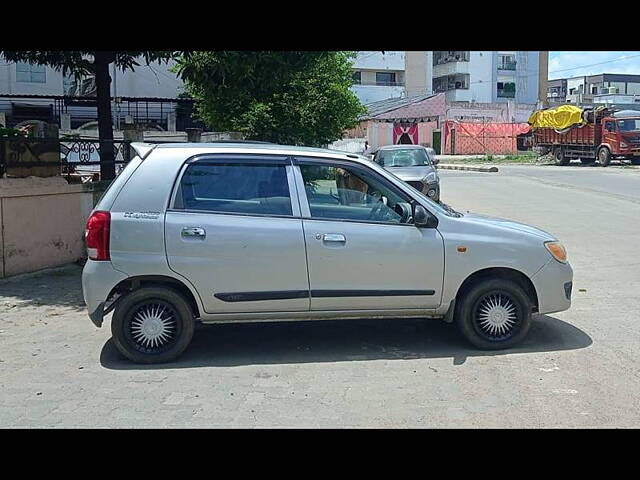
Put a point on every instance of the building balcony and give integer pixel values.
(450, 69)
(451, 82)
(375, 93)
(510, 66)
(450, 56)
(384, 83)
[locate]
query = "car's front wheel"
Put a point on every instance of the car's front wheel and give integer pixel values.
(494, 314)
(152, 325)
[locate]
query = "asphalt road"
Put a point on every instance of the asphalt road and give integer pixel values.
(578, 368)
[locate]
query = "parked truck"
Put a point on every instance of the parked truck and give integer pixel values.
(602, 135)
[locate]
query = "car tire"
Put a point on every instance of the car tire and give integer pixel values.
(560, 157)
(152, 325)
(494, 314)
(604, 157)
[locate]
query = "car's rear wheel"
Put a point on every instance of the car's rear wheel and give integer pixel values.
(494, 314)
(152, 325)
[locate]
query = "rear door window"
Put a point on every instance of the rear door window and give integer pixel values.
(250, 189)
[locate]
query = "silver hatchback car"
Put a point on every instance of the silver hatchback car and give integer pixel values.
(223, 233)
(413, 164)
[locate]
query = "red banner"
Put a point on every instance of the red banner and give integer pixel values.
(406, 133)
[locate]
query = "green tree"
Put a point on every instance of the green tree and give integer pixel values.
(299, 98)
(82, 63)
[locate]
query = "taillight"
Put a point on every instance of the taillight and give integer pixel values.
(97, 235)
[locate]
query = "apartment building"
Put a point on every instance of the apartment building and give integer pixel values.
(587, 89)
(36, 92)
(379, 75)
(488, 76)
(465, 76)
(557, 91)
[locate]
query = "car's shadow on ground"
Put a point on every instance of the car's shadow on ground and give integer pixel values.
(341, 341)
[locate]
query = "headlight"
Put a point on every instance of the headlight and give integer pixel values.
(623, 145)
(430, 178)
(557, 251)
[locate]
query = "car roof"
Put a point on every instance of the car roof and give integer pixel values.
(144, 149)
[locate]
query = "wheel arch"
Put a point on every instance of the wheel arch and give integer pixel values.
(499, 272)
(132, 284)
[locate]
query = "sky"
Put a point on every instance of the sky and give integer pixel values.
(582, 63)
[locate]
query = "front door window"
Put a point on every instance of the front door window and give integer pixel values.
(344, 193)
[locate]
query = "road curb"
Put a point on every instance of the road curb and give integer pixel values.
(467, 168)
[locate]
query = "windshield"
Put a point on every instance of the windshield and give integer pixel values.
(629, 124)
(413, 157)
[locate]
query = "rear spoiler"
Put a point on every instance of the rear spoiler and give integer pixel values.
(143, 149)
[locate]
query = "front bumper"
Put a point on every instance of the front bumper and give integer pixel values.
(553, 284)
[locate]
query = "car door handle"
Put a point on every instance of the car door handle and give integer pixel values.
(191, 232)
(334, 237)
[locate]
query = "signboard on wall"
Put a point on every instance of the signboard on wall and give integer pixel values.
(405, 133)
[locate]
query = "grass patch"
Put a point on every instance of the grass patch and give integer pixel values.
(499, 159)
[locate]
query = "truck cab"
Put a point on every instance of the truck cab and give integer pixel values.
(620, 137)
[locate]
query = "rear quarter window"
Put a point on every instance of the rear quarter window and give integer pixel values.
(251, 189)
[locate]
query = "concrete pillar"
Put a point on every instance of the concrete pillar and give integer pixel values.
(543, 74)
(65, 121)
(416, 73)
(193, 135)
(132, 133)
(171, 122)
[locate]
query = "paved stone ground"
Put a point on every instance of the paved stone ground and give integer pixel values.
(578, 368)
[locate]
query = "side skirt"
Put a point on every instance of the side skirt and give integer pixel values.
(319, 315)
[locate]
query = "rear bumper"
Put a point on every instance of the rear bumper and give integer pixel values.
(553, 284)
(98, 280)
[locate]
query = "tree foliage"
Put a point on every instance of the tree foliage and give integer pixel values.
(300, 98)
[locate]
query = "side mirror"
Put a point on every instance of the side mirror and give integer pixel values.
(435, 161)
(422, 218)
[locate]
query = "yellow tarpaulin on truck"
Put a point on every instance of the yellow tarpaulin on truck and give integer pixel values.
(559, 118)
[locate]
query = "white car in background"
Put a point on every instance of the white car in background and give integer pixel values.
(413, 164)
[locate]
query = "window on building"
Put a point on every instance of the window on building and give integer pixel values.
(506, 62)
(506, 89)
(27, 72)
(385, 78)
(357, 78)
(594, 89)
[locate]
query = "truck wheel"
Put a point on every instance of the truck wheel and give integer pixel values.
(152, 325)
(560, 157)
(587, 161)
(604, 156)
(494, 314)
